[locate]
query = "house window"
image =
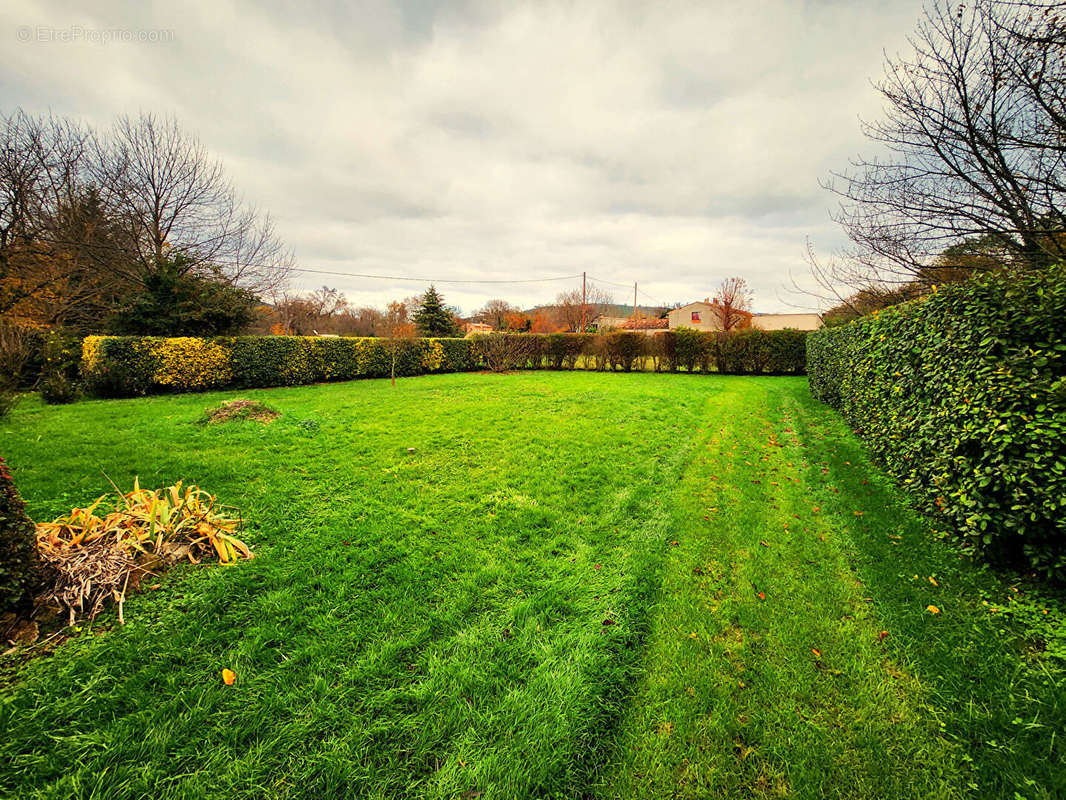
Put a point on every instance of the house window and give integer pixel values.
(695, 316)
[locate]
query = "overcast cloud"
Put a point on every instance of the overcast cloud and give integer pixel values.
(670, 143)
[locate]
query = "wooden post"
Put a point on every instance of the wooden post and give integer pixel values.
(583, 302)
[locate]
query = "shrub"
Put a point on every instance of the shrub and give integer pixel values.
(458, 355)
(757, 352)
(663, 350)
(432, 356)
(118, 366)
(623, 348)
(60, 352)
(563, 349)
(536, 351)
(692, 349)
(185, 363)
(19, 566)
(502, 352)
(962, 396)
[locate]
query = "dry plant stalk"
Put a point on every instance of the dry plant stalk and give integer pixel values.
(94, 558)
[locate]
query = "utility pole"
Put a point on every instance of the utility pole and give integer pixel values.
(583, 301)
(634, 299)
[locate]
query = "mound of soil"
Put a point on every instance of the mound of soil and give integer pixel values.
(240, 409)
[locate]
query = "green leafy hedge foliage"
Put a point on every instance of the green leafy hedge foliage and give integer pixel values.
(123, 366)
(962, 395)
(19, 566)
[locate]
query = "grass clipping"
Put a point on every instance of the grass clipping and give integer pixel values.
(97, 553)
(239, 409)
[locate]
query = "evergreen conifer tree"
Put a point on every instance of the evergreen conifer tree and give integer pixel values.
(432, 318)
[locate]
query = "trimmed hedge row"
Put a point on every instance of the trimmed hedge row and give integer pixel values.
(750, 352)
(962, 395)
(123, 366)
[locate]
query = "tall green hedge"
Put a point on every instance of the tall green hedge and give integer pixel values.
(962, 395)
(124, 366)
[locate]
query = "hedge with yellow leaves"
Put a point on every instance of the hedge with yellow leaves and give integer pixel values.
(962, 395)
(123, 366)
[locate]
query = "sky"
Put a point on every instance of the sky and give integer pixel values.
(671, 144)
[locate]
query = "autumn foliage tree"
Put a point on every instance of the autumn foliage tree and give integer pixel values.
(399, 331)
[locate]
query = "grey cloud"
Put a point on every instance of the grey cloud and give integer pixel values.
(673, 144)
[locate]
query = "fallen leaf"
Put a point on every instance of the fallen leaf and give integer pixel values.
(932, 580)
(762, 595)
(764, 543)
(608, 622)
(932, 609)
(228, 677)
(817, 652)
(882, 636)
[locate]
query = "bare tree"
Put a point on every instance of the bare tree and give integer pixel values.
(175, 199)
(568, 307)
(732, 303)
(363, 321)
(975, 134)
(42, 162)
(306, 314)
(495, 313)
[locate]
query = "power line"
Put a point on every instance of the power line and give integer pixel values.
(629, 286)
(431, 280)
(611, 283)
(368, 276)
(252, 264)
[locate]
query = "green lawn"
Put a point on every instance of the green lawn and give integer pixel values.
(576, 585)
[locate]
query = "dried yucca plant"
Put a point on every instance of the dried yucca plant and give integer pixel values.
(96, 553)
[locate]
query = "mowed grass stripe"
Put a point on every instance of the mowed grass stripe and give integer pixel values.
(990, 690)
(765, 675)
